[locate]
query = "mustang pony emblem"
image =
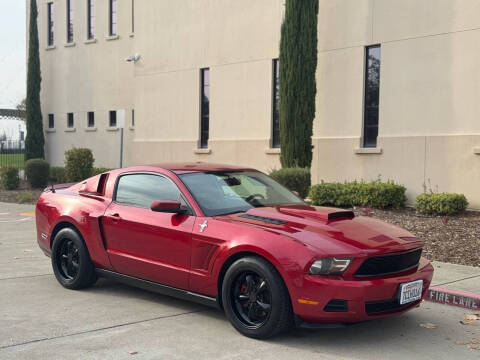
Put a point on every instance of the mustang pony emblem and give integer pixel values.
(203, 226)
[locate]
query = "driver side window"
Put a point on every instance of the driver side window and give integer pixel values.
(141, 190)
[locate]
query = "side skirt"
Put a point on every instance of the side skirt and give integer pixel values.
(158, 288)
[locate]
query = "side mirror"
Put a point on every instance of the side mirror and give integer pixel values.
(296, 193)
(167, 206)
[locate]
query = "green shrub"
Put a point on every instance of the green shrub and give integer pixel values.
(57, 174)
(25, 198)
(375, 194)
(78, 164)
(295, 179)
(37, 172)
(9, 178)
(99, 170)
(440, 204)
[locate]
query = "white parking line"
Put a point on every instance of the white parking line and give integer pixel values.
(15, 220)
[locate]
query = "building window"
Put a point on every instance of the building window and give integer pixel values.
(275, 103)
(51, 121)
(133, 118)
(112, 18)
(372, 96)
(113, 118)
(204, 107)
(69, 21)
(70, 122)
(50, 24)
(91, 119)
(90, 19)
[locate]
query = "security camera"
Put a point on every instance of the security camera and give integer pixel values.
(133, 58)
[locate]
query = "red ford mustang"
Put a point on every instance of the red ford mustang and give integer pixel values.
(233, 238)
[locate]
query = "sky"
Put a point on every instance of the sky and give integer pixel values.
(12, 52)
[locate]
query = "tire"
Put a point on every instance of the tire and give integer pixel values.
(255, 298)
(71, 261)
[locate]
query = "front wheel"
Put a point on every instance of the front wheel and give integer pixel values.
(71, 262)
(255, 298)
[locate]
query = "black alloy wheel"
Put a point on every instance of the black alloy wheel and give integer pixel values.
(252, 298)
(255, 298)
(71, 261)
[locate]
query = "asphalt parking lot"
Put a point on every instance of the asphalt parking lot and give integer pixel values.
(41, 320)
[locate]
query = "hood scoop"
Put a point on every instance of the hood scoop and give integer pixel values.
(320, 215)
(263, 219)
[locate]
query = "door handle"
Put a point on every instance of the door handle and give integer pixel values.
(115, 217)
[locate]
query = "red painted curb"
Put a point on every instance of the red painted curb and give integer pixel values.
(462, 299)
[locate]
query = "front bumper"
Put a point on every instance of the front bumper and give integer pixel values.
(365, 299)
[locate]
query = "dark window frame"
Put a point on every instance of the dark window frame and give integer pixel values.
(91, 119)
(70, 120)
(51, 121)
(371, 98)
(50, 24)
(275, 139)
(70, 10)
(190, 210)
(132, 122)
(90, 19)
(204, 108)
(112, 17)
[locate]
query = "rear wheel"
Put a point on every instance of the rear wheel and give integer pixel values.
(255, 298)
(71, 262)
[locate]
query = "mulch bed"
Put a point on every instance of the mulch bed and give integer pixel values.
(24, 192)
(452, 239)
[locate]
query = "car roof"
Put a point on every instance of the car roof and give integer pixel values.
(199, 166)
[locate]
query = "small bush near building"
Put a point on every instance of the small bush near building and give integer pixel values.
(295, 179)
(57, 175)
(37, 172)
(375, 194)
(440, 204)
(9, 179)
(78, 164)
(25, 198)
(100, 170)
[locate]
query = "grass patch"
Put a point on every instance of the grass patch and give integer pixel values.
(16, 160)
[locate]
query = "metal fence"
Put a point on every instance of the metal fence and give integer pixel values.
(12, 153)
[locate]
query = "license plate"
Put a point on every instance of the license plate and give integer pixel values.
(410, 291)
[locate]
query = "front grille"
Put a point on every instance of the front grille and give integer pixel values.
(336, 305)
(389, 264)
(385, 306)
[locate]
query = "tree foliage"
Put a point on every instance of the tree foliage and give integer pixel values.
(298, 64)
(35, 141)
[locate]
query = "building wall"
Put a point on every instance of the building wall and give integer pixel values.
(429, 90)
(429, 85)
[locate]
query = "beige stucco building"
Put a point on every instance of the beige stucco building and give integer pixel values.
(427, 109)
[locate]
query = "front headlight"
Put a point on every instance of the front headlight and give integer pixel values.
(329, 266)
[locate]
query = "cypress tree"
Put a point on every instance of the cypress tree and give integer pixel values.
(298, 64)
(35, 141)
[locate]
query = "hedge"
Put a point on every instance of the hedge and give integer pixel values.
(9, 179)
(441, 204)
(295, 179)
(78, 164)
(57, 174)
(37, 172)
(99, 170)
(375, 194)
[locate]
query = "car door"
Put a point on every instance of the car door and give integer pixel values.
(142, 243)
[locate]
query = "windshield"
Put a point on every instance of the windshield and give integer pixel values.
(221, 193)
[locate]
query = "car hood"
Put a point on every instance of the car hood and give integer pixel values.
(329, 231)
